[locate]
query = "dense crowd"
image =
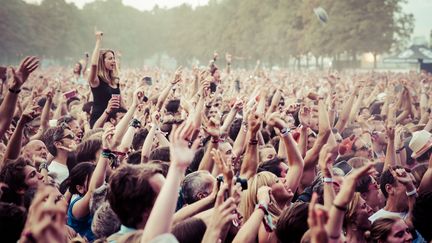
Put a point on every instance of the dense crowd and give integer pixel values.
(103, 153)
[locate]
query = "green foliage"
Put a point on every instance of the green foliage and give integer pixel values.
(273, 30)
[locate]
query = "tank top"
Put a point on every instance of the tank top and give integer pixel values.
(101, 96)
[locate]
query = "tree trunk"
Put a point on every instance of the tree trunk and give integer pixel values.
(375, 60)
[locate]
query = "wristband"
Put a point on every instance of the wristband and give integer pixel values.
(327, 180)
(43, 166)
(263, 207)
(411, 193)
(341, 208)
(285, 131)
(14, 91)
(135, 123)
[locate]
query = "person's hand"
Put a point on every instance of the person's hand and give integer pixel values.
(275, 120)
(215, 55)
(238, 105)
(305, 116)
(177, 75)
(107, 136)
(46, 218)
(155, 117)
(223, 210)
(98, 35)
(347, 190)
(402, 176)
(113, 104)
(224, 166)
(390, 131)
(16, 78)
(138, 96)
(263, 195)
(254, 122)
(228, 57)
(326, 158)
(180, 152)
(30, 114)
(317, 218)
(293, 108)
(211, 127)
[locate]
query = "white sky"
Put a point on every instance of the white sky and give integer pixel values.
(421, 9)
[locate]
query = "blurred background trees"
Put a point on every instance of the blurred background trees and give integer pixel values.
(275, 31)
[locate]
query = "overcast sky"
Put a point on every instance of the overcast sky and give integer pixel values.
(422, 10)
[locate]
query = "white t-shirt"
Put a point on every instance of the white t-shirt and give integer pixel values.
(384, 213)
(58, 171)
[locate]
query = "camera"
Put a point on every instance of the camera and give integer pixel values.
(243, 182)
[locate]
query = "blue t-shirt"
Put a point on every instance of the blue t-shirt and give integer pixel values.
(83, 225)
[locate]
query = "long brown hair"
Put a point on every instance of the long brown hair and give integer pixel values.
(105, 75)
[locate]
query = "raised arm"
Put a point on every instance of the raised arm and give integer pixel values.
(323, 135)
(44, 117)
(164, 207)
(113, 104)
(14, 145)
(92, 78)
(341, 201)
(124, 122)
(250, 161)
(165, 92)
(295, 160)
(82, 207)
(16, 80)
(344, 115)
(249, 231)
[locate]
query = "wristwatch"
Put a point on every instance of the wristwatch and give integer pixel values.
(43, 166)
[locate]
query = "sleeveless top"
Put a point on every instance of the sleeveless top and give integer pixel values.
(83, 225)
(101, 96)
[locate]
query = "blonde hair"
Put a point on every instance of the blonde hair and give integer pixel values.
(104, 74)
(381, 228)
(350, 214)
(249, 198)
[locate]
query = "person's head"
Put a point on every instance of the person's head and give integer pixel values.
(105, 221)
(280, 194)
(161, 153)
(172, 107)
(364, 111)
(132, 192)
(89, 151)
(235, 128)
(368, 187)
(196, 186)
(292, 223)
(19, 175)
(390, 230)
(107, 67)
(77, 68)
(12, 221)
(79, 179)
(393, 191)
(116, 115)
(275, 165)
(358, 213)
(59, 139)
(189, 230)
(422, 214)
(267, 152)
(139, 138)
(35, 148)
(73, 125)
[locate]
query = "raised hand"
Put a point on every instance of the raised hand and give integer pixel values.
(19, 77)
(275, 120)
(211, 127)
(254, 122)
(228, 57)
(402, 176)
(224, 166)
(30, 114)
(107, 136)
(264, 195)
(180, 151)
(317, 218)
(98, 35)
(347, 190)
(113, 103)
(177, 75)
(305, 116)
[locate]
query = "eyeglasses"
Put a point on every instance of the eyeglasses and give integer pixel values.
(69, 136)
